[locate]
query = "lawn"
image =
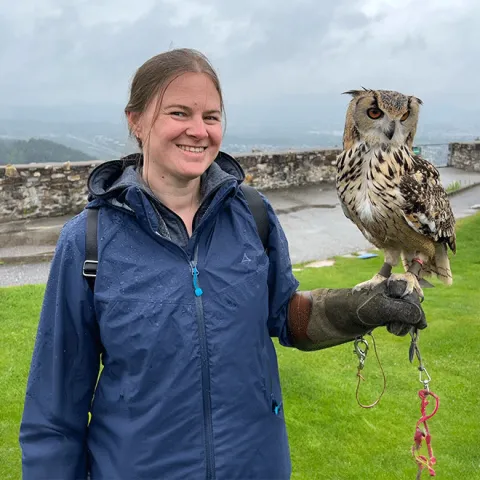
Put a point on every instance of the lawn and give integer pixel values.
(331, 436)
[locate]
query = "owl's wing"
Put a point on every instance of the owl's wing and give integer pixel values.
(426, 206)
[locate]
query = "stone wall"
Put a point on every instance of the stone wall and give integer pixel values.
(282, 170)
(41, 190)
(465, 156)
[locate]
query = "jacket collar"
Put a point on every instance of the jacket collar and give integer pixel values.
(120, 184)
(110, 179)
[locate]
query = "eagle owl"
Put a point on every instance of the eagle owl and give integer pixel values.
(392, 195)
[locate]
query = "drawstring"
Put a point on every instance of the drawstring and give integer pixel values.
(362, 355)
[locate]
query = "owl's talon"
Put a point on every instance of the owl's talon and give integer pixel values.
(411, 281)
(369, 284)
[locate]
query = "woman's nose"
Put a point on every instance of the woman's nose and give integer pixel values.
(196, 128)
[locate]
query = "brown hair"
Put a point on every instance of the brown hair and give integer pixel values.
(154, 76)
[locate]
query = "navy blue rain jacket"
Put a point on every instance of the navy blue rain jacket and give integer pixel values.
(182, 326)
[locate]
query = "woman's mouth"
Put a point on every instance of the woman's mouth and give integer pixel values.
(188, 148)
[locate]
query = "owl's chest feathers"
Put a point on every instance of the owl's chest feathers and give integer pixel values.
(368, 181)
(366, 203)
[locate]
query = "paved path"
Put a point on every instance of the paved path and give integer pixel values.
(313, 222)
(320, 233)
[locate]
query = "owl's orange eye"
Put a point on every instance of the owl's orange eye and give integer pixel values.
(374, 113)
(405, 116)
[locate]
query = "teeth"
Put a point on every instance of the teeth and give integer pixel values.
(192, 149)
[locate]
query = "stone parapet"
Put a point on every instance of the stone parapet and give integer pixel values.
(465, 156)
(43, 190)
(49, 190)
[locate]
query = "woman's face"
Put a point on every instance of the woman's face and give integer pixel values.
(184, 139)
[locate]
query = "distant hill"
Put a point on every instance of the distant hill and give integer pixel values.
(38, 150)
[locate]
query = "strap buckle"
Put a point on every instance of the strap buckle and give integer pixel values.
(360, 352)
(90, 268)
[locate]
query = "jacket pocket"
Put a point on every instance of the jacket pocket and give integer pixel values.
(274, 402)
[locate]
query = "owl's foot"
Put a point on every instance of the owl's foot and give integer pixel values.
(411, 280)
(369, 284)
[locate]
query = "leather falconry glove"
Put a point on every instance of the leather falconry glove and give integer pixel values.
(324, 317)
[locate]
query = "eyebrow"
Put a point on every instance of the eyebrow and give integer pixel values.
(188, 109)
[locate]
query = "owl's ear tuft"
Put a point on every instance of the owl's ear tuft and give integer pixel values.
(355, 93)
(420, 102)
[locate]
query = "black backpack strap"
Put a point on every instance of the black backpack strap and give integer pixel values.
(91, 247)
(259, 212)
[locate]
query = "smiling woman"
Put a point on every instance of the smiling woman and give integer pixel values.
(175, 112)
(181, 133)
(185, 303)
(184, 124)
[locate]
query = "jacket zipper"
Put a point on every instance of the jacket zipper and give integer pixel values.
(275, 406)
(207, 401)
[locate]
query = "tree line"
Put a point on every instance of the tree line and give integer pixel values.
(37, 150)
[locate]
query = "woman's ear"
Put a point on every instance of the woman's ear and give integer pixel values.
(134, 124)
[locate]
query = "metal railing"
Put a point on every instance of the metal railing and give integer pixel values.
(436, 153)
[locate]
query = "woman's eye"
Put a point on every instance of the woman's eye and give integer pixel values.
(212, 118)
(374, 113)
(178, 114)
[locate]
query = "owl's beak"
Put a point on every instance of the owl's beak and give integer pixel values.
(391, 130)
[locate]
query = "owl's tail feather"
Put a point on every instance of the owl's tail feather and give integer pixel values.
(442, 264)
(439, 265)
(424, 284)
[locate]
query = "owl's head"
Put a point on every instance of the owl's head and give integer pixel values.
(381, 117)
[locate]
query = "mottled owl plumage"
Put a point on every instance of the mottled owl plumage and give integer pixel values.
(393, 196)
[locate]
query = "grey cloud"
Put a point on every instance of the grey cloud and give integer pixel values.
(64, 58)
(353, 20)
(265, 50)
(410, 43)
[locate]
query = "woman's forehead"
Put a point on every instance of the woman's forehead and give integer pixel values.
(193, 88)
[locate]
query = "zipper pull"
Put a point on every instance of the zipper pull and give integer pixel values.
(198, 290)
(276, 407)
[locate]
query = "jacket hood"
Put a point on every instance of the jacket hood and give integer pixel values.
(110, 179)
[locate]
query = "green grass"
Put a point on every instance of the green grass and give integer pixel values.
(331, 437)
(453, 186)
(19, 312)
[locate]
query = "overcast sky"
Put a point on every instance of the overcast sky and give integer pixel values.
(63, 52)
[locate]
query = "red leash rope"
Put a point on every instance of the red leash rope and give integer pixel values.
(420, 435)
(423, 462)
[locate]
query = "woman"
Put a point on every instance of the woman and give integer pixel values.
(186, 302)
